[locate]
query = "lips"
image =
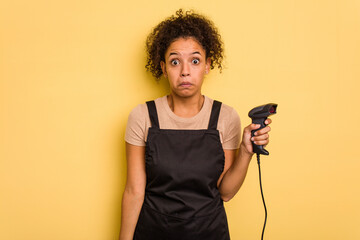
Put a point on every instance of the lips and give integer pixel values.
(185, 84)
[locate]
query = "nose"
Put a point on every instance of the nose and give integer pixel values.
(185, 70)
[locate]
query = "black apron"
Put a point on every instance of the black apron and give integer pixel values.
(182, 201)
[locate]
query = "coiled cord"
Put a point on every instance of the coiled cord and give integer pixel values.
(262, 195)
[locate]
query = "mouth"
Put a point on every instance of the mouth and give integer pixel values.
(185, 84)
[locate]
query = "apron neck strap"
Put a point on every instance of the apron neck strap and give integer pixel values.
(215, 111)
(153, 114)
(214, 115)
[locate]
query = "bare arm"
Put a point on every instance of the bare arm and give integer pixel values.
(235, 174)
(134, 192)
(237, 162)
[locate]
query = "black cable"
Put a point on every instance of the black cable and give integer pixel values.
(262, 195)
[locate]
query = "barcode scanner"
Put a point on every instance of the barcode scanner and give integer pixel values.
(259, 115)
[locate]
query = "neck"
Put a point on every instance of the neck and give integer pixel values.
(185, 107)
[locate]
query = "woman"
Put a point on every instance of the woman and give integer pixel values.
(183, 150)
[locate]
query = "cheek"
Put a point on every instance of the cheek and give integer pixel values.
(200, 73)
(171, 79)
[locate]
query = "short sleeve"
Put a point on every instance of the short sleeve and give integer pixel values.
(232, 132)
(136, 126)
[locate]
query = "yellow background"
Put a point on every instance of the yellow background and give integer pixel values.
(71, 71)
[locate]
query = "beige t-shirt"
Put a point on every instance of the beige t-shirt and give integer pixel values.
(139, 122)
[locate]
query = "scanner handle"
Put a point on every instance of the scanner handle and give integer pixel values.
(259, 148)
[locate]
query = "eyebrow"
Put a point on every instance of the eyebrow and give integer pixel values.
(196, 53)
(175, 53)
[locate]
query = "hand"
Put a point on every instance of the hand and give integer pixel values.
(261, 136)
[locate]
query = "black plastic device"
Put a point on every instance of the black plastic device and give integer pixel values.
(259, 115)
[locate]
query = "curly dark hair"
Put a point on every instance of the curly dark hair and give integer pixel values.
(183, 25)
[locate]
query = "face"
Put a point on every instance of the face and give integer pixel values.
(185, 67)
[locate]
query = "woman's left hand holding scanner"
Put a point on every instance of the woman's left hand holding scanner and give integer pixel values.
(261, 137)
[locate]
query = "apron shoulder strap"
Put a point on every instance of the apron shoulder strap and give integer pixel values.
(153, 114)
(215, 111)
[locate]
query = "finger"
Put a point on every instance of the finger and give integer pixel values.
(254, 126)
(251, 127)
(262, 142)
(261, 137)
(268, 121)
(263, 130)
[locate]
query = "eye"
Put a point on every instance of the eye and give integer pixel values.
(195, 61)
(175, 62)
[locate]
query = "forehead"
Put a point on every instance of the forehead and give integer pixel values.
(185, 46)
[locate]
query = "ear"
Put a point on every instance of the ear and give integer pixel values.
(207, 65)
(163, 68)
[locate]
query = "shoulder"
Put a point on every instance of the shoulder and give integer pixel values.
(138, 114)
(229, 117)
(227, 112)
(137, 124)
(229, 126)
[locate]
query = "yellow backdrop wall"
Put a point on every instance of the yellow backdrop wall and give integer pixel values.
(71, 71)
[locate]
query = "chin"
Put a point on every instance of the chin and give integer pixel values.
(184, 94)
